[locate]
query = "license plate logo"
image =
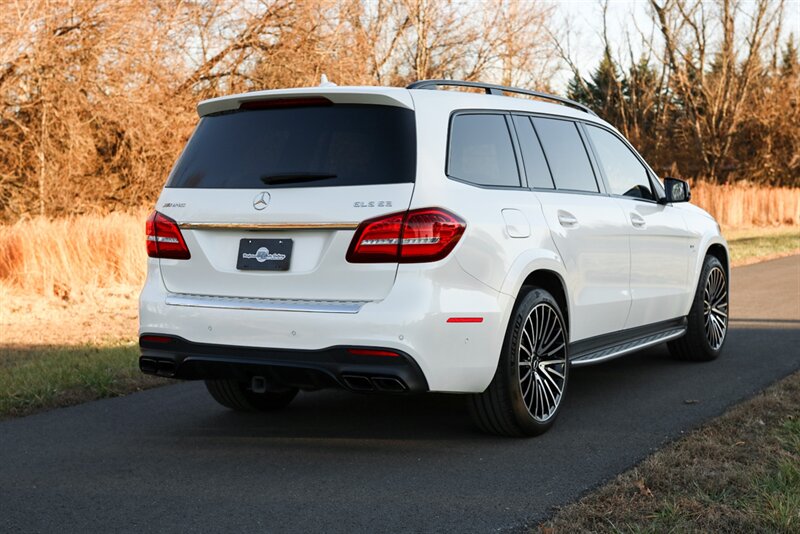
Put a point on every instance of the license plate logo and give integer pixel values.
(263, 254)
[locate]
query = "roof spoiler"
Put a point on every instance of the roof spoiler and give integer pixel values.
(337, 95)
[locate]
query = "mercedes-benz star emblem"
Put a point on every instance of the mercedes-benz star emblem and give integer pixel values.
(261, 200)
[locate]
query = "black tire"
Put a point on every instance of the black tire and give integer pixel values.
(698, 344)
(237, 396)
(505, 408)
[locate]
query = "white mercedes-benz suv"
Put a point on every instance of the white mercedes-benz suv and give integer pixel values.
(404, 240)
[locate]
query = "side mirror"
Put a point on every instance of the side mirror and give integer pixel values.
(677, 191)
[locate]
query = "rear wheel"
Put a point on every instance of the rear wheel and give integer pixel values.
(528, 387)
(707, 326)
(238, 396)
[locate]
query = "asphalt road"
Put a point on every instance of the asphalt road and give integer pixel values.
(170, 459)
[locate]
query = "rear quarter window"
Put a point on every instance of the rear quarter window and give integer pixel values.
(314, 146)
(481, 151)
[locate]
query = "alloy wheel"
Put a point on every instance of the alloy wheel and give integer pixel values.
(542, 357)
(715, 308)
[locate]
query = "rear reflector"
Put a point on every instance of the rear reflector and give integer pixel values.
(155, 339)
(285, 103)
(415, 236)
(465, 319)
(372, 352)
(164, 238)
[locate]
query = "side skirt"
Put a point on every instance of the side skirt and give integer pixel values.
(609, 346)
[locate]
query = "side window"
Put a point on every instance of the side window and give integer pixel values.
(481, 151)
(566, 155)
(532, 155)
(625, 173)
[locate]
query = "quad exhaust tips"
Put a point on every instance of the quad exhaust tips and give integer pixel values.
(376, 383)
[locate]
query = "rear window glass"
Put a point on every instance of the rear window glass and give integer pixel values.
(566, 154)
(481, 151)
(314, 146)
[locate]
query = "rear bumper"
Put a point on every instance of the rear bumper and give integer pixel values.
(412, 320)
(175, 357)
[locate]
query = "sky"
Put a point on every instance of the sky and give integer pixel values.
(582, 20)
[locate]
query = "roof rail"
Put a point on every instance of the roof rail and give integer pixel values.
(492, 89)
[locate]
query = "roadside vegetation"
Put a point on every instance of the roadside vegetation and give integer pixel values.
(37, 378)
(754, 245)
(739, 473)
(75, 255)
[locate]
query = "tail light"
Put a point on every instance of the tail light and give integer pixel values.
(415, 236)
(164, 239)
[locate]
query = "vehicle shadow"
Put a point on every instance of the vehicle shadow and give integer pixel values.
(332, 415)
(637, 388)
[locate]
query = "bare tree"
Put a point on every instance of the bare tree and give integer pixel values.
(713, 84)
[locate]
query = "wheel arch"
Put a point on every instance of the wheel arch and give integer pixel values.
(541, 267)
(719, 251)
(716, 246)
(553, 283)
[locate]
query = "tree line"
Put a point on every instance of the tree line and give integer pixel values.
(97, 97)
(715, 94)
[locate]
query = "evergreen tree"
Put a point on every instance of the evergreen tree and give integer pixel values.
(789, 61)
(602, 91)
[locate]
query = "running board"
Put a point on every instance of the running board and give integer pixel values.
(636, 340)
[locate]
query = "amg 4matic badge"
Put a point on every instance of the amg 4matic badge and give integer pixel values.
(264, 254)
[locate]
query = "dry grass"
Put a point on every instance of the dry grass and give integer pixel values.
(743, 205)
(103, 316)
(67, 257)
(740, 473)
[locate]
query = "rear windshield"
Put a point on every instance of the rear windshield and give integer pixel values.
(314, 146)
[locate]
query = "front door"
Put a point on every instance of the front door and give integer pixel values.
(659, 239)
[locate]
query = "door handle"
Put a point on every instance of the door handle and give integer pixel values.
(638, 221)
(566, 219)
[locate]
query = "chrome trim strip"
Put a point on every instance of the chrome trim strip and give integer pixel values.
(616, 351)
(267, 226)
(259, 304)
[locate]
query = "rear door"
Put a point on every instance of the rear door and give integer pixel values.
(268, 198)
(588, 227)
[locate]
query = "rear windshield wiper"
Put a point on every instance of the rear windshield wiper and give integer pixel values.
(289, 177)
